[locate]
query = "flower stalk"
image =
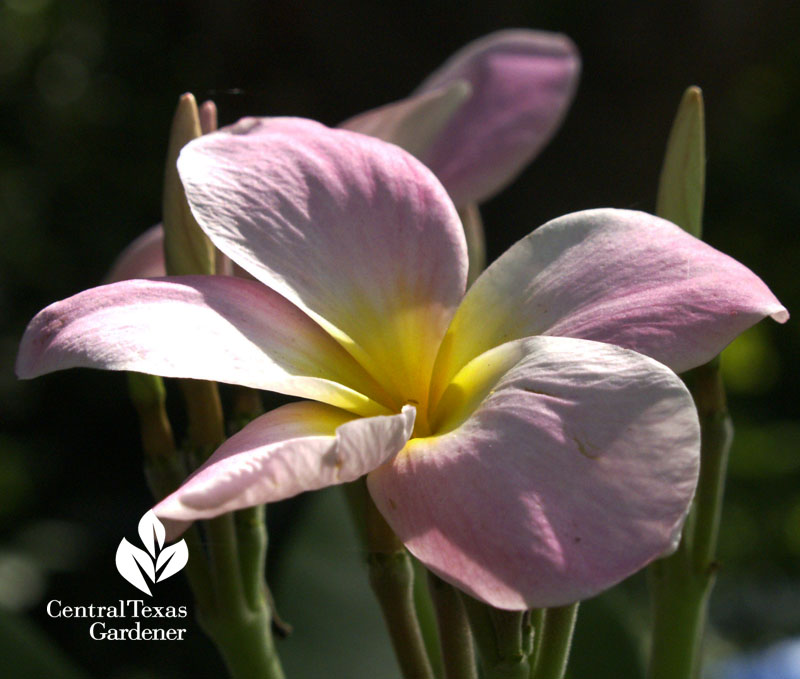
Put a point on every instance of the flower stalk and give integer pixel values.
(681, 583)
(500, 640)
(458, 654)
(553, 647)
(391, 576)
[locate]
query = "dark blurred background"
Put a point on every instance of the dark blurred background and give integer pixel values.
(87, 91)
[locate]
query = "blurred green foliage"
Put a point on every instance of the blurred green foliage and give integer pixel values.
(87, 89)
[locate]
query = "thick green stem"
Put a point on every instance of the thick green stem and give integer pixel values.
(251, 533)
(240, 619)
(426, 616)
(681, 583)
(251, 527)
(244, 639)
(679, 612)
(499, 638)
(458, 655)
(537, 624)
(391, 576)
(204, 412)
(717, 436)
(148, 395)
(223, 552)
(552, 649)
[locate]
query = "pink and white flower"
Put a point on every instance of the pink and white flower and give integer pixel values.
(527, 439)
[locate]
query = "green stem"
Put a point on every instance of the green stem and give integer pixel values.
(508, 632)
(148, 395)
(204, 413)
(251, 527)
(717, 436)
(240, 623)
(244, 639)
(537, 623)
(679, 613)
(251, 534)
(223, 552)
(681, 583)
(552, 649)
(391, 576)
(392, 579)
(499, 638)
(458, 655)
(426, 616)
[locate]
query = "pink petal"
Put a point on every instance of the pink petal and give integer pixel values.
(298, 447)
(354, 231)
(205, 327)
(575, 470)
(523, 83)
(143, 258)
(413, 123)
(615, 276)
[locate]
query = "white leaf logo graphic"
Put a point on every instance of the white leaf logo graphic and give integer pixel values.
(152, 532)
(127, 559)
(172, 559)
(134, 563)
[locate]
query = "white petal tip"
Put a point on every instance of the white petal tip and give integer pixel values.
(781, 315)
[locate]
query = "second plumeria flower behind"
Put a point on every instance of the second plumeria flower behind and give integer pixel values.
(511, 436)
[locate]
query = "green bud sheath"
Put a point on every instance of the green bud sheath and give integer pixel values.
(682, 185)
(186, 247)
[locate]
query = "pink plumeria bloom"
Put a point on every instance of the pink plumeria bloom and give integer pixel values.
(476, 122)
(525, 439)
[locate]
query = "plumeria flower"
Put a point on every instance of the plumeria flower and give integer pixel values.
(477, 121)
(525, 439)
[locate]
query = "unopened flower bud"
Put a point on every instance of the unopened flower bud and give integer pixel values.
(682, 184)
(187, 249)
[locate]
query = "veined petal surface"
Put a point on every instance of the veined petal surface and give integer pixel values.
(522, 85)
(298, 447)
(575, 469)
(354, 231)
(206, 327)
(142, 258)
(616, 276)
